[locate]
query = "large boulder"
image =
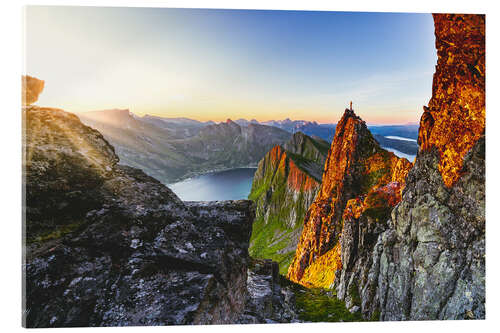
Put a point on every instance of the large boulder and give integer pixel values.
(107, 245)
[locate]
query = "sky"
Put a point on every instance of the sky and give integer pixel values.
(210, 64)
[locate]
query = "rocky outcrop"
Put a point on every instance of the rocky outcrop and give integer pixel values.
(430, 263)
(31, 89)
(424, 259)
(284, 186)
(270, 298)
(107, 245)
(361, 183)
(65, 164)
(454, 120)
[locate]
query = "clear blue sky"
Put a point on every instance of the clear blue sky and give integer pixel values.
(215, 64)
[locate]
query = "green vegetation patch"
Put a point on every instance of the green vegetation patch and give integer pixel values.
(318, 305)
(263, 242)
(373, 178)
(57, 233)
(375, 316)
(378, 213)
(353, 291)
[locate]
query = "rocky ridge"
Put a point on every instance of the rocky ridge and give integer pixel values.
(360, 179)
(454, 119)
(31, 89)
(284, 186)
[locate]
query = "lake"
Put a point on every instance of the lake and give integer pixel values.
(396, 152)
(231, 184)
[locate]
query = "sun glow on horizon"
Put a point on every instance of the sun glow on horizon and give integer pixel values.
(219, 64)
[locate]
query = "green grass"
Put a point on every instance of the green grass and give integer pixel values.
(317, 305)
(263, 242)
(375, 316)
(279, 204)
(353, 291)
(262, 238)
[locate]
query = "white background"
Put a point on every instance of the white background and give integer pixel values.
(10, 158)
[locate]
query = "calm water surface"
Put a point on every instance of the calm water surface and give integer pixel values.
(231, 184)
(396, 152)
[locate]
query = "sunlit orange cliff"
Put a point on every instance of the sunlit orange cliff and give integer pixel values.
(359, 177)
(284, 186)
(397, 241)
(455, 117)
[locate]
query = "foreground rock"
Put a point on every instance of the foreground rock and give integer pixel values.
(271, 299)
(430, 264)
(107, 245)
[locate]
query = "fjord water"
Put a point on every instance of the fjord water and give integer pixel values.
(231, 184)
(396, 152)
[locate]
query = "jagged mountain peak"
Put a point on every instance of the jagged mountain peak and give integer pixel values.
(356, 168)
(284, 186)
(417, 253)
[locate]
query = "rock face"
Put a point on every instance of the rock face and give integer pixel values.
(284, 186)
(361, 183)
(108, 245)
(424, 259)
(31, 89)
(455, 118)
(270, 298)
(430, 263)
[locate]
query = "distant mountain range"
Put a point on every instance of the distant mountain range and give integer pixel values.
(327, 131)
(171, 149)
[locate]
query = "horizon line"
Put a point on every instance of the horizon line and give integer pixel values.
(236, 119)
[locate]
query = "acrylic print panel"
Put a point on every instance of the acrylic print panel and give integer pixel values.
(203, 166)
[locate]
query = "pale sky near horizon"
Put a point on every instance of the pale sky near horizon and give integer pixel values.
(217, 64)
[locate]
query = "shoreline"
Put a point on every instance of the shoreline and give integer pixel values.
(194, 175)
